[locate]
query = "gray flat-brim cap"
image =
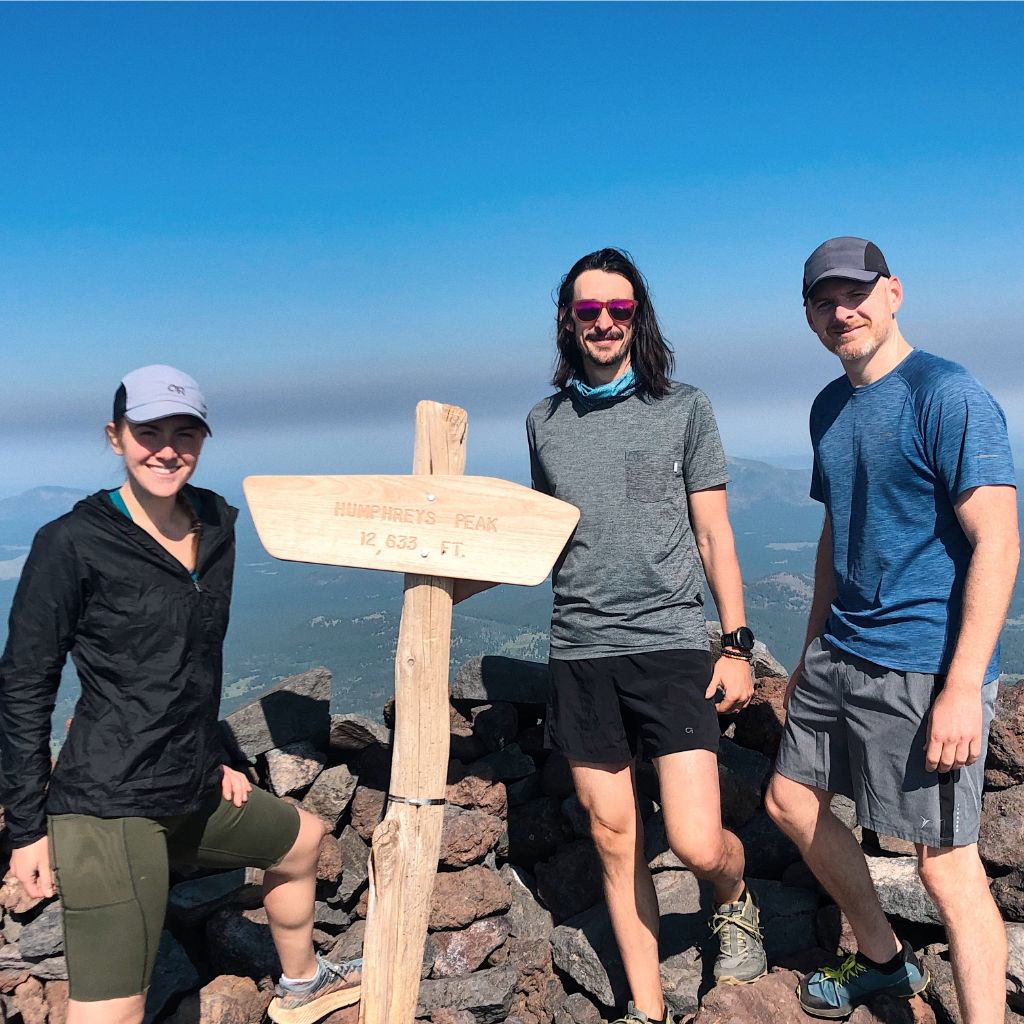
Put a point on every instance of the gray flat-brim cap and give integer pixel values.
(855, 259)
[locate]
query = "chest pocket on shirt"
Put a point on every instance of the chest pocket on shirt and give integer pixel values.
(651, 476)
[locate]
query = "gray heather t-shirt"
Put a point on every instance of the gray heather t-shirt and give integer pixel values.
(630, 578)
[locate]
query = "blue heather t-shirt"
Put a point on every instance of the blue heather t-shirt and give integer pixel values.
(890, 460)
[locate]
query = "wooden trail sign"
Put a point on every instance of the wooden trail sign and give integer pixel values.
(465, 527)
(453, 527)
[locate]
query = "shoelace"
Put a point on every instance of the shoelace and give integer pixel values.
(345, 967)
(835, 978)
(848, 969)
(719, 921)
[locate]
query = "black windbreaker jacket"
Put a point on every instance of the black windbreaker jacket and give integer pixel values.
(146, 640)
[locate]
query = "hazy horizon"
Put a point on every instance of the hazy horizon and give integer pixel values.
(326, 212)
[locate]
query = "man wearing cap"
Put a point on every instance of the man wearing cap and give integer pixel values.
(891, 702)
(630, 671)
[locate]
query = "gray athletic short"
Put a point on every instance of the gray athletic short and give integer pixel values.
(858, 729)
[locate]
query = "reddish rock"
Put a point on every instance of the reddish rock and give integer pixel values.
(760, 724)
(56, 995)
(1001, 842)
(30, 1001)
(461, 897)
(228, 999)
(473, 787)
(330, 864)
(1004, 765)
(465, 746)
(362, 905)
(1008, 892)
(942, 989)
(772, 1000)
(539, 993)
(14, 898)
(444, 1015)
(11, 979)
(367, 808)
(346, 1015)
(459, 952)
(468, 836)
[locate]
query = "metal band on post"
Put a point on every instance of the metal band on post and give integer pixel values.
(415, 801)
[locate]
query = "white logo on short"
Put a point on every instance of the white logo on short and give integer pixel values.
(689, 731)
(925, 822)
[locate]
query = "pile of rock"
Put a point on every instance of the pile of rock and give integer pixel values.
(518, 928)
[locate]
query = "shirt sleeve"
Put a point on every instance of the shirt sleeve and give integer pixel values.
(964, 432)
(538, 477)
(44, 616)
(704, 457)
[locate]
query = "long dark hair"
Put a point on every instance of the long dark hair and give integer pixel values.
(650, 354)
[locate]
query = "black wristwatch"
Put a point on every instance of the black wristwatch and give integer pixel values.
(741, 639)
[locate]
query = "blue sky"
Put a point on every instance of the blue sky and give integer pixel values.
(325, 212)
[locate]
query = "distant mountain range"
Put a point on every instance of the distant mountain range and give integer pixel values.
(287, 617)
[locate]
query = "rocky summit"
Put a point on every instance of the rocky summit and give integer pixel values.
(518, 929)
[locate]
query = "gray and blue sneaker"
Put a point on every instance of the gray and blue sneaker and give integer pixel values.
(335, 986)
(741, 958)
(833, 993)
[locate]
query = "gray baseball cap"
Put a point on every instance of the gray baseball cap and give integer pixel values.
(855, 259)
(153, 392)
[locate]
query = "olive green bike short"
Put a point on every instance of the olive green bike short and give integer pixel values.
(112, 875)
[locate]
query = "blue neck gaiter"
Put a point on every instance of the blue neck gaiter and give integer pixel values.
(604, 394)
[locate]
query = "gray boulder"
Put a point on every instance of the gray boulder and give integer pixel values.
(173, 975)
(486, 994)
(900, 890)
(331, 794)
(298, 708)
(527, 918)
(493, 678)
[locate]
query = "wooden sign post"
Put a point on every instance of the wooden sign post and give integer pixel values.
(435, 526)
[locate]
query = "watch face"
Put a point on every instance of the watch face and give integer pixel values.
(742, 638)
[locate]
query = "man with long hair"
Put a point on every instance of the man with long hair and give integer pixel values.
(640, 456)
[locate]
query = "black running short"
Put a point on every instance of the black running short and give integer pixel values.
(609, 710)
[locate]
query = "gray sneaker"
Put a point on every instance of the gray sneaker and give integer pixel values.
(335, 986)
(741, 958)
(635, 1016)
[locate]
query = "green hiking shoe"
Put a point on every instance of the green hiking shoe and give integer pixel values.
(834, 993)
(335, 986)
(741, 958)
(635, 1016)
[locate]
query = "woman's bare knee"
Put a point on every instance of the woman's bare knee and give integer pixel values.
(305, 851)
(126, 1010)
